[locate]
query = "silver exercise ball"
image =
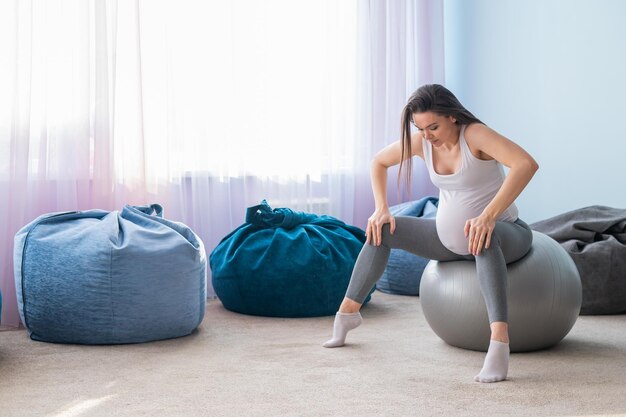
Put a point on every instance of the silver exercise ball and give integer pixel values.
(544, 299)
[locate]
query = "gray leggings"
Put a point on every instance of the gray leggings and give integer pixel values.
(510, 241)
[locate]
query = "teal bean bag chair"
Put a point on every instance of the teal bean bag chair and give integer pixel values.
(403, 272)
(284, 263)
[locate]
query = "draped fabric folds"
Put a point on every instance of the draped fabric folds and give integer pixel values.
(203, 107)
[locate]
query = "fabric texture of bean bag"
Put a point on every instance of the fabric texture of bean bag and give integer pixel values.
(595, 238)
(285, 263)
(99, 277)
(403, 272)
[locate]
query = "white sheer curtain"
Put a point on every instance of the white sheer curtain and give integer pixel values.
(400, 48)
(204, 107)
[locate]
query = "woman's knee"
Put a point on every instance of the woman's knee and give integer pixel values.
(491, 250)
(512, 247)
(386, 234)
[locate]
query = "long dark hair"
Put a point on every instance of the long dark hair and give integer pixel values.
(434, 98)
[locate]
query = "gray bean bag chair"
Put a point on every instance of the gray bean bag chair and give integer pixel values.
(595, 238)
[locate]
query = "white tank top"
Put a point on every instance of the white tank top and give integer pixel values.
(465, 194)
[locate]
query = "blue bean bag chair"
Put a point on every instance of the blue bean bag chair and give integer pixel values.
(404, 270)
(98, 277)
(284, 263)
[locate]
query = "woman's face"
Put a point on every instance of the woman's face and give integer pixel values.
(435, 128)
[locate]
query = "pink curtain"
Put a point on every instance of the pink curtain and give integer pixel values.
(400, 48)
(101, 107)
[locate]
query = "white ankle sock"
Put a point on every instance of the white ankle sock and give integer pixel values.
(344, 322)
(496, 364)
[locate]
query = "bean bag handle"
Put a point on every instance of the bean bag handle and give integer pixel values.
(264, 217)
(153, 208)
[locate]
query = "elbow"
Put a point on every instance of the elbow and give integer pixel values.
(376, 163)
(528, 166)
(531, 166)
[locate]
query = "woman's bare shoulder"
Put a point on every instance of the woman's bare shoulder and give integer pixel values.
(475, 131)
(492, 145)
(475, 136)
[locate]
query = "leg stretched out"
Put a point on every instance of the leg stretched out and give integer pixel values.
(413, 234)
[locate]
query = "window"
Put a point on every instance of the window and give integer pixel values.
(161, 89)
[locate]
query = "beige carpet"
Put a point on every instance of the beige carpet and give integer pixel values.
(237, 365)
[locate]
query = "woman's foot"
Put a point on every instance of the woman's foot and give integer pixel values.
(496, 364)
(344, 322)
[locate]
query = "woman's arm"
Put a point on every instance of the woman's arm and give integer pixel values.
(521, 166)
(387, 157)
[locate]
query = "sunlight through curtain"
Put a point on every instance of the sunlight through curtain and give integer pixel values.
(203, 107)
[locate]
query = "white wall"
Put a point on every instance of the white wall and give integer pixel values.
(550, 75)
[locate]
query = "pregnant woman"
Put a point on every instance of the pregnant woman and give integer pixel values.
(476, 220)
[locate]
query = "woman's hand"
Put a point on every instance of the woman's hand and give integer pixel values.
(479, 230)
(375, 224)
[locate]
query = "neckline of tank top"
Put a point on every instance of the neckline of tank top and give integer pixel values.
(432, 162)
(464, 150)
